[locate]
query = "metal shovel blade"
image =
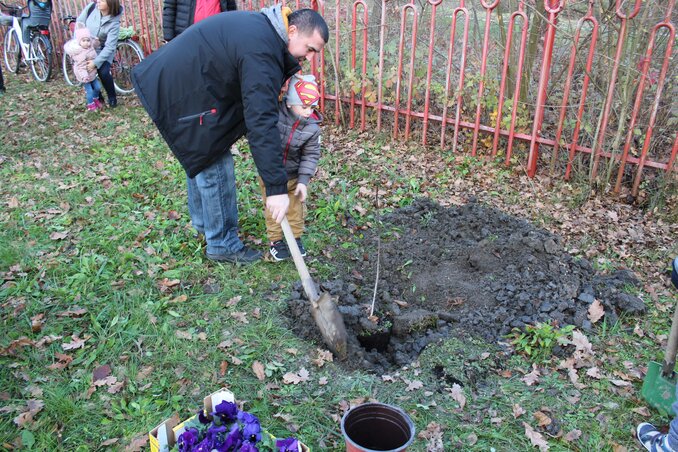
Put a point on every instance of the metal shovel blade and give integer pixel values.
(658, 390)
(331, 324)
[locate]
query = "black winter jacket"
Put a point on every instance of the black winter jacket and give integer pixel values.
(178, 15)
(215, 82)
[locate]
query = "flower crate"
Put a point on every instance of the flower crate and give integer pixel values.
(221, 403)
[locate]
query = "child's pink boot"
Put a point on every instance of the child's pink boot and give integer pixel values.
(92, 107)
(98, 104)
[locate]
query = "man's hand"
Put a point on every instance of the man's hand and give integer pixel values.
(277, 206)
(91, 66)
(300, 192)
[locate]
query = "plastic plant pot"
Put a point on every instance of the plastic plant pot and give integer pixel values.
(377, 427)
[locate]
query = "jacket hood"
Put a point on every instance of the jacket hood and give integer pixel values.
(277, 15)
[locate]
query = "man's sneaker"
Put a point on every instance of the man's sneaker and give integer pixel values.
(279, 251)
(244, 256)
(652, 439)
(302, 250)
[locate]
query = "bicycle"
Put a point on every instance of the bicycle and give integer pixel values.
(127, 54)
(28, 37)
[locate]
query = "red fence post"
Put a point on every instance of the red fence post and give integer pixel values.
(429, 67)
(597, 148)
(448, 73)
(552, 11)
(483, 68)
(504, 72)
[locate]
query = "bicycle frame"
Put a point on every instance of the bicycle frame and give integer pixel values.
(25, 46)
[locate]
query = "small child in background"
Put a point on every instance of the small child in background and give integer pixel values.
(81, 50)
(299, 127)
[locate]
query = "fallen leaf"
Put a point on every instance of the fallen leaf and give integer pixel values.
(594, 372)
(110, 442)
(517, 411)
(183, 334)
(58, 235)
(458, 395)
(258, 369)
(138, 444)
(36, 322)
(179, 299)
(642, 410)
(101, 372)
(542, 419)
(322, 381)
(223, 367)
(596, 311)
(413, 385)
(73, 313)
(471, 439)
(33, 407)
(233, 301)
(532, 378)
(620, 383)
(240, 316)
(13, 203)
(433, 435)
(256, 313)
(574, 435)
(75, 343)
(535, 438)
(324, 356)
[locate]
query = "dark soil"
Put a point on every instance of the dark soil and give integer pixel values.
(469, 271)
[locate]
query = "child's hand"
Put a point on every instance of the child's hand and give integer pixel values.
(91, 66)
(300, 192)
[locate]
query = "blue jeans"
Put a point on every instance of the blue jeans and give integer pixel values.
(213, 206)
(107, 80)
(92, 90)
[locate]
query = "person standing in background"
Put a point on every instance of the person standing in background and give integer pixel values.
(178, 15)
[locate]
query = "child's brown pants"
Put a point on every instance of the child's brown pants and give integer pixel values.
(295, 214)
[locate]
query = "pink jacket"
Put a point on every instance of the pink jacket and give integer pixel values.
(80, 59)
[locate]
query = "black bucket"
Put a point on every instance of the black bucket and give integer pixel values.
(377, 427)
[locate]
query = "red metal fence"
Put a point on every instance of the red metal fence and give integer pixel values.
(556, 85)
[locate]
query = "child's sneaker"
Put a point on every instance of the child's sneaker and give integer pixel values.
(279, 251)
(651, 439)
(92, 107)
(302, 250)
(98, 104)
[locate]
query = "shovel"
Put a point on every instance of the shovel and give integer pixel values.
(323, 309)
(659, 385)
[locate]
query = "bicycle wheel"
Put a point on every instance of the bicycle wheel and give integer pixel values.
(127, 55)
(67, 68)
(41, 58)
(12, 51)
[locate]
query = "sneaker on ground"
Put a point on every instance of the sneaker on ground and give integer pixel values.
(244, 256)
(302, 250)
(92, 107)
(652, 439)
(279, 250)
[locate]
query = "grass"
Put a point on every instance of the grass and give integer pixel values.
(94, 219)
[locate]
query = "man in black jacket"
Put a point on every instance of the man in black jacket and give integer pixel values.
(178, 15)
(214, 83)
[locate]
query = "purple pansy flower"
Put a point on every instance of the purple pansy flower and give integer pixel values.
(204, 446)
(287, 445)
(248, 447)
(226, 411)
(233, 440)
(251, 429)
(187, 440)
(202, 418)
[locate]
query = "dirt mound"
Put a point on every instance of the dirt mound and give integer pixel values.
(462, 271)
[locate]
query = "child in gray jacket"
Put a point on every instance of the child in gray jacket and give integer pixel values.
(299, 127)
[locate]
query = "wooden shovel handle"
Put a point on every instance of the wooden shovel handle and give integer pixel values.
(306, 280)
(671, 347)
